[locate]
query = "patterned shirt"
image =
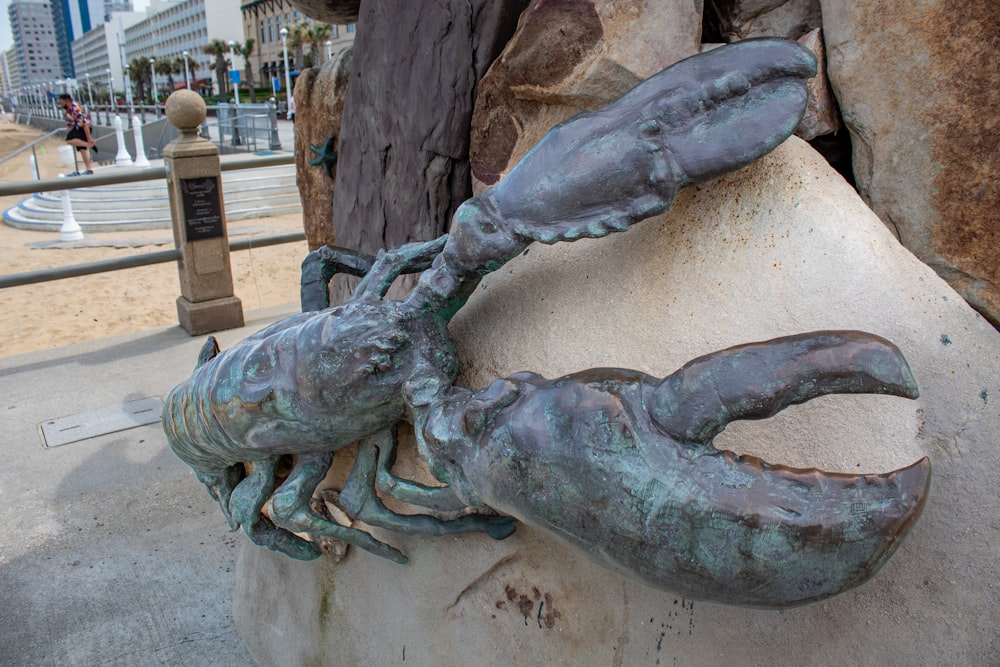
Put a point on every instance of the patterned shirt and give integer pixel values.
(76, 117)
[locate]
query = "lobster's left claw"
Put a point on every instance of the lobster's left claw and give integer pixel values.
(710, 114)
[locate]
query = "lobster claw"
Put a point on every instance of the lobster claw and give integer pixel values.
(621, 466)
(758, 380)
(710, 114)
(602, 171)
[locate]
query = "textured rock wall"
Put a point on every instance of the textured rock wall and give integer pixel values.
(336, 12)
(567, 57)
(319, 103)
(783, 246)
(919, 85)
(734, 20)
(403, 167)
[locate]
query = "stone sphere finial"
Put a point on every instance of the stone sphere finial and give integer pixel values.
(186, 111)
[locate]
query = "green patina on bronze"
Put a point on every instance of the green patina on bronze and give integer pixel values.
(614, 462)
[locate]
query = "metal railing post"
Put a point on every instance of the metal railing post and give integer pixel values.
(194, 180)
(272, 116)
(235, 119)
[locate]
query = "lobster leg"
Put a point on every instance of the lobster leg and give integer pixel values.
(389, 264)
(245, 504)
(320, 266)
(290, 509)
(441, 498)
(360, 502)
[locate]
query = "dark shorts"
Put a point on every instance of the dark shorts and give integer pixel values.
(77, 133)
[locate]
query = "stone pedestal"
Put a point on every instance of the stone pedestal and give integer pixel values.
(194, 181)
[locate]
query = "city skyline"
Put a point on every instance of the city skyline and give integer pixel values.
(7, 39)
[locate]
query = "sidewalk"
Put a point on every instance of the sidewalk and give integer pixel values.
(111, 553)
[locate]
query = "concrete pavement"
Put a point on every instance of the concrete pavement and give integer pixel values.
(111, 553)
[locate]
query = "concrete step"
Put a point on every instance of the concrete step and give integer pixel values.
(247, 193)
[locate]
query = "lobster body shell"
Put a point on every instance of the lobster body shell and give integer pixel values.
(314, 382)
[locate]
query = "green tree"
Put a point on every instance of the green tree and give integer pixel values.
(178, 64)
(218, 50)
(297, 39)
(316, 34)
(246, 51)
(167, 67)
(139, 73)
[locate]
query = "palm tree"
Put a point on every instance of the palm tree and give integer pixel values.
(246, 50)
(178, 63)
(139, 73)
(167, 67)
(316, 34)
(297, 38)
(218, 49)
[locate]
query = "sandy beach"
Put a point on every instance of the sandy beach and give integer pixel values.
(61, 312)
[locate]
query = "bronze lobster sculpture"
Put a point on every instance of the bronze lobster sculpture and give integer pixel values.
(614, 462)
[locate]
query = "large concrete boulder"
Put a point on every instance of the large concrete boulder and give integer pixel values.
(568, 57)
(918, 85)
(319, 104)
(784, 246)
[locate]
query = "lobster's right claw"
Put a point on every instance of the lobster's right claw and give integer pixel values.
(710, 114)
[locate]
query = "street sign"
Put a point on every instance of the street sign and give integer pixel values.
(234, 76)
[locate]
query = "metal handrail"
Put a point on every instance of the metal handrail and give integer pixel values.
(32, 144)
(133, 176)
(133, 261)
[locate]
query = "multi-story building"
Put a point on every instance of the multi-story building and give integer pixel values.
(11, 73)
(35, 42)
(97, 52)
(171, 28)
(75, 18)
(263, 21)
(63, 24)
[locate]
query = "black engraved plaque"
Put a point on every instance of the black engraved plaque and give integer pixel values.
(202, 208)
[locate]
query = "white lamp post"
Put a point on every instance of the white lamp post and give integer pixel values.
(329, 50)
(128, 93)
(288, 75)
(187, 72)
(90, 94)
(236, 86)
(111, 87)
(152, 80)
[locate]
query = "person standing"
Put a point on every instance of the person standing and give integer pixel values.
(78, 130)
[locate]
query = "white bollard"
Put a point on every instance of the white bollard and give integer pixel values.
(123, 159)
(70, 230)
(140, 147)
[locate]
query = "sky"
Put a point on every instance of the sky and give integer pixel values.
(6, 41)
